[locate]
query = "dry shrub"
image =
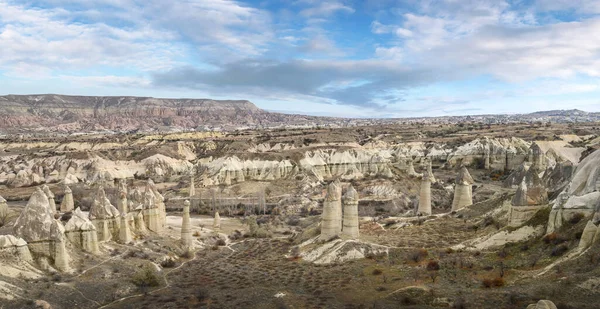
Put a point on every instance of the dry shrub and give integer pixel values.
(559, 250)
(495, 282)
(418, 255)
(553, 238)
(377, 272)
(576, 218)
(433, 265)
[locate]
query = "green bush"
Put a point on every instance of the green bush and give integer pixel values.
(146, 277)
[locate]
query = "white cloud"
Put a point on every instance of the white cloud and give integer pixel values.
(326, 8)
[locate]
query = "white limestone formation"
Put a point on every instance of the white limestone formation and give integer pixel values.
(504, 153)
(3, 209)
(67, 203)
(217, 221)
(350, 222)
(591, 234)
(81, 232)
(104, 216)
(425, 195)
(159, 201)
(430, 171)
(44, 235)
(330, 219)
(486, 157)
(151, 212)
(50, 196)
(122, 204)
(581, 195)
(531, 196)
(463, 195)
(125, 236)
(340, 209)
(192, 186)
(186, 227)
(140, 224)
(410, 170)
(15, 246)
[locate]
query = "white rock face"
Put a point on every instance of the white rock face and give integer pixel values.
(44, 235)
(542, 304)
(3, 208)
(330, 218)
(581, 195)
(589, 236)
(504, 153)
(16, 246)
(463, 195)
(151, 213)
(192, 186)
(104, 216)
(81, 232)
(50, 196)
(425, 195)
(124, 230)
(67, 203)
(350, 222)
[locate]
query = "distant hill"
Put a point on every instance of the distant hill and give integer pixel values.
(63, 113)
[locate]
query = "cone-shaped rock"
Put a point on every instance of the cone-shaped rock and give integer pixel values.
(463, 195)
(67, 203)
(531, 191)
(425, 195)
(124, 230)
(44, 235)
(410, 170)
(340, 210)
(152, 215)
(186, 228)
(122, 203)
(81, 232)
(104, 216)
(50, 196)
(330, 221)
(430, 171)
(350, 201)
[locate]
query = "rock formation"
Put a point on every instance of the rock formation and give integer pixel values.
(104, 216)
(463, 195)
(350, 222)
(410, 170)
(67, 203)
(536, 156)
(186, 228)
(542, 304)
(486, 157)
(3, 209)
(217, 221)
(50, 196)
(192, 186)
(330, 220)
(124, 229)
(140, 224)
(530, 197)
(159, 201)
(15, 246)
(151, 212)
(430, 171)
(122, 204)
(44, 235)
(425, 195)
(81, 232)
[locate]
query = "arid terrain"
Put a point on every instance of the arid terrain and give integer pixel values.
(396, 214)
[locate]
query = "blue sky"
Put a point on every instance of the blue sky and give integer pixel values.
(370, 58)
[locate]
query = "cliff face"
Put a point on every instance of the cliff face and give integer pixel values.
(83, 113)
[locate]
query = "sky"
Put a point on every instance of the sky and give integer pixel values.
(369, 58)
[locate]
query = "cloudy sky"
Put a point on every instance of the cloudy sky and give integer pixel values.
(369, 58)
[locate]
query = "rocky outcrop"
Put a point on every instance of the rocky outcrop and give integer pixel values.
(81, 232)
(410, 170)
(330, 218)
(504, 153)
(350, 221)
(581, 195)
(186, 227)
(425, 195)
(15, 246)
(590, 234)
(104, 216)
(151, 210)
(192, 192)
(463, 195)
(50, 196)
(67, 203)
(44, 235)
(531, 196)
